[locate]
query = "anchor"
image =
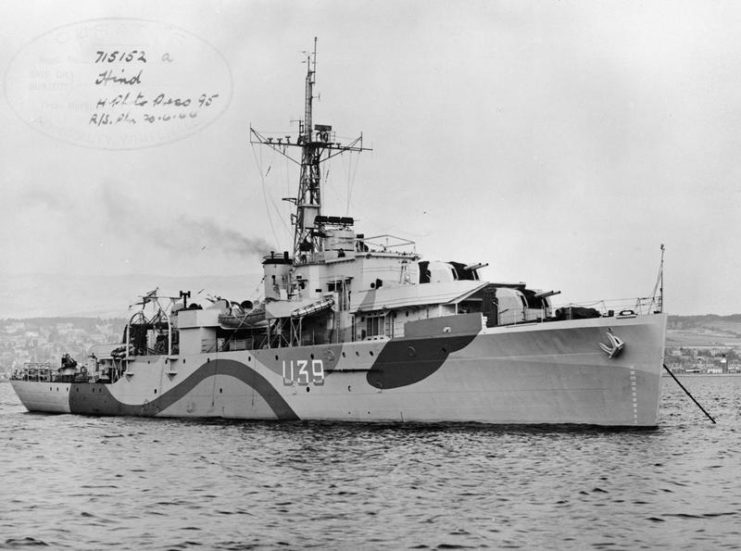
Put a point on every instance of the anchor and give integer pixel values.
(616, 346)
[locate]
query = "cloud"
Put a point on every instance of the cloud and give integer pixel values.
(37, 196)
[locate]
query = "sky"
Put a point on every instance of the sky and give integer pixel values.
(561, 142)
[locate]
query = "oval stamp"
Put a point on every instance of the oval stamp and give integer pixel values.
(118, 83)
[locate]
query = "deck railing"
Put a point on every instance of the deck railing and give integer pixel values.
(33, 371)
(620, 306)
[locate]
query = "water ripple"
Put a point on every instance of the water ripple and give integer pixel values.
(128, 483)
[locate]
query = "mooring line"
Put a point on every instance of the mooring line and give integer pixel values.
(688, 393)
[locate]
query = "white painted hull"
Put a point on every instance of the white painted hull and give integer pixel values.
(43, 396)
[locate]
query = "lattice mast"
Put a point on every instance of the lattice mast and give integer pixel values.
(317, 144)
(309, 199)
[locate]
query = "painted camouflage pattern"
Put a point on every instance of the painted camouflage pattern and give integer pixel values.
(540, 373)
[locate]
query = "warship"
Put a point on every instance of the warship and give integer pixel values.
(356, 328)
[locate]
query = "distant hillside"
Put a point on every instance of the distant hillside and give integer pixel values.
(707, 330)
(47, 339)
(39, 295)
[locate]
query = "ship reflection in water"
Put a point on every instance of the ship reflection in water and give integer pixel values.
(82, 482)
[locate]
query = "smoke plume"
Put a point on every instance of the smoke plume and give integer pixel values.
(185, 234)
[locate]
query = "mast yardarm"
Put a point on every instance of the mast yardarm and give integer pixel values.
(318, 144)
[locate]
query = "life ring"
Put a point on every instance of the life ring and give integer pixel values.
(626, 313)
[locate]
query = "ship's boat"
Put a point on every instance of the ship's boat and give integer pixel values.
(356, 328)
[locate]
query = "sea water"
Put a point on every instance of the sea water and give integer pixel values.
(74, 482)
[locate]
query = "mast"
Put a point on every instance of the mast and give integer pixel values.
(308, 201)
(659, 300)
(318, 144)
(661, 281)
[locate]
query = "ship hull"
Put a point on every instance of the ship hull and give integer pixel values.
(546, 373)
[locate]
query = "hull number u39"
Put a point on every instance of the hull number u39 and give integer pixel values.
(303, 372)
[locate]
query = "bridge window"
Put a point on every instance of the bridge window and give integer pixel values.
(342, 288)
(375, 325)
